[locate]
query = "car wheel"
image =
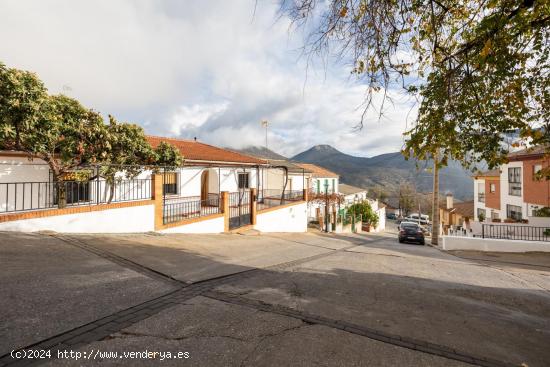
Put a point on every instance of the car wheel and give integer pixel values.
(422, 243)
(400, 240)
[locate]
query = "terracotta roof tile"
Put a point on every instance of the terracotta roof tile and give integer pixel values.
(197, 151)
(490, 173)
(317, 171)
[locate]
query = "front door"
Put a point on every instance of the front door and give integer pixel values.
(204, 185)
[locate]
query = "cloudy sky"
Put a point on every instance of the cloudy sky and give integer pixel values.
(206, 69)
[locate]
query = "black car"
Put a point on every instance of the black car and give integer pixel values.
(391, 216)
(410, 232)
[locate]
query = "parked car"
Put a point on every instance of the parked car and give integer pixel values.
(422, 218)
(391, 216)
(410, 232)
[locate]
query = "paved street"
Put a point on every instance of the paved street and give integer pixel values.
(266, 300)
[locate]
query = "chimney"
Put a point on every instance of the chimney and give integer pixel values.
(449, 200)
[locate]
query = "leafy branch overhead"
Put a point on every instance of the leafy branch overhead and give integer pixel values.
(480, 69)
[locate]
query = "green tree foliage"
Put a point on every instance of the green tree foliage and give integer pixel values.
(21, 97)
(367, 214)
(68, 136)
(479, 68)
(167, 156)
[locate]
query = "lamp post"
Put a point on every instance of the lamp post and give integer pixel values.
(326, 207)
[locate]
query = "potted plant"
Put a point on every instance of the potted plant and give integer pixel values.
(481, 217)
(496, 220)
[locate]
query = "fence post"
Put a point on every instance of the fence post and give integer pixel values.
(156, 195)
(482, 231)
(253, 206)
(305, 195)
(224, 208)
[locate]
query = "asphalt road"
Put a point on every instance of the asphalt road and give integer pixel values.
(286, 299)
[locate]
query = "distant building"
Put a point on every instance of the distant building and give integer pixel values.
(512, 191)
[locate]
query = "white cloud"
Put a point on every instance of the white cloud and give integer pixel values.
(207, 69)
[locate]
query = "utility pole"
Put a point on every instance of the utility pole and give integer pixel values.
(327, 221)
(435, 202)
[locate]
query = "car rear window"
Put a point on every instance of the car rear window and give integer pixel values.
(409, 225)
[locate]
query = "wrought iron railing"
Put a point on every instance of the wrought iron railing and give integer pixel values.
(182, 208)
(26, 196)
(509, 232)
(272, 198)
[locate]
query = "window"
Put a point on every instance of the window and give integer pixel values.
(492, 187)
(318, 186)
(494, 215)
(243, 181)
(513, 212)
(536, 169)
(326, 184)
(333, 185)
(170, 183)
(481, 192)
(514, 181)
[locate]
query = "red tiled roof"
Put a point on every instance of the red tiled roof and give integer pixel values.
(490, 173)
(196, 151)
(317, 171)
(533, 152)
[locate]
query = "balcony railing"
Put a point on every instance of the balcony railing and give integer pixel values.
(26, 196)
(514, 189)
(481, 197)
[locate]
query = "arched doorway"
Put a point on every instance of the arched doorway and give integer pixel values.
(204, 184)
(209, 183)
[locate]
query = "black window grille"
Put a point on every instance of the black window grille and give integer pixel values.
(514, 181)
(244, 181)
(170, 185)
(513, 212)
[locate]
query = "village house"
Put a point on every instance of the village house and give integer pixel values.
(216, 190)
(453, 215)
(512, 192)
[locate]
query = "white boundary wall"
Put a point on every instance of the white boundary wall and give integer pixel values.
(120, 220)
(288, 219)
(215, 225)
(493, 245)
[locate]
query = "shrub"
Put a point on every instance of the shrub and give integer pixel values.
(367, 214)
(542, 212)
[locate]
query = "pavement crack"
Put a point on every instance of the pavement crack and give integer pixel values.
(130, 334)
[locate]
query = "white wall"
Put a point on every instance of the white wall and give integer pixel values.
(493, 245)
(215, 225)
(20, 169)
(505, 198)
(478, 204)
(121, 220)
(189, 179)
(288, 219)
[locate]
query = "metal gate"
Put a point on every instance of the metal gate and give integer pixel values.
(239, 209)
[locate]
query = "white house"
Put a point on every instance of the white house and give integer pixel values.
(173, 197)
(321, 181)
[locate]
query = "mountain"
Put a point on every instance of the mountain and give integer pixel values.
(262, 152)
(389, 171)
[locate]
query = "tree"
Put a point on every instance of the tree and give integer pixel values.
(480, 69)
(128, 154)
(167, 156)
(56, 129)
(367, 214)
(71, 138)
(21, 97)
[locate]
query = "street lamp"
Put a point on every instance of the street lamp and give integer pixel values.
(326, 207)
